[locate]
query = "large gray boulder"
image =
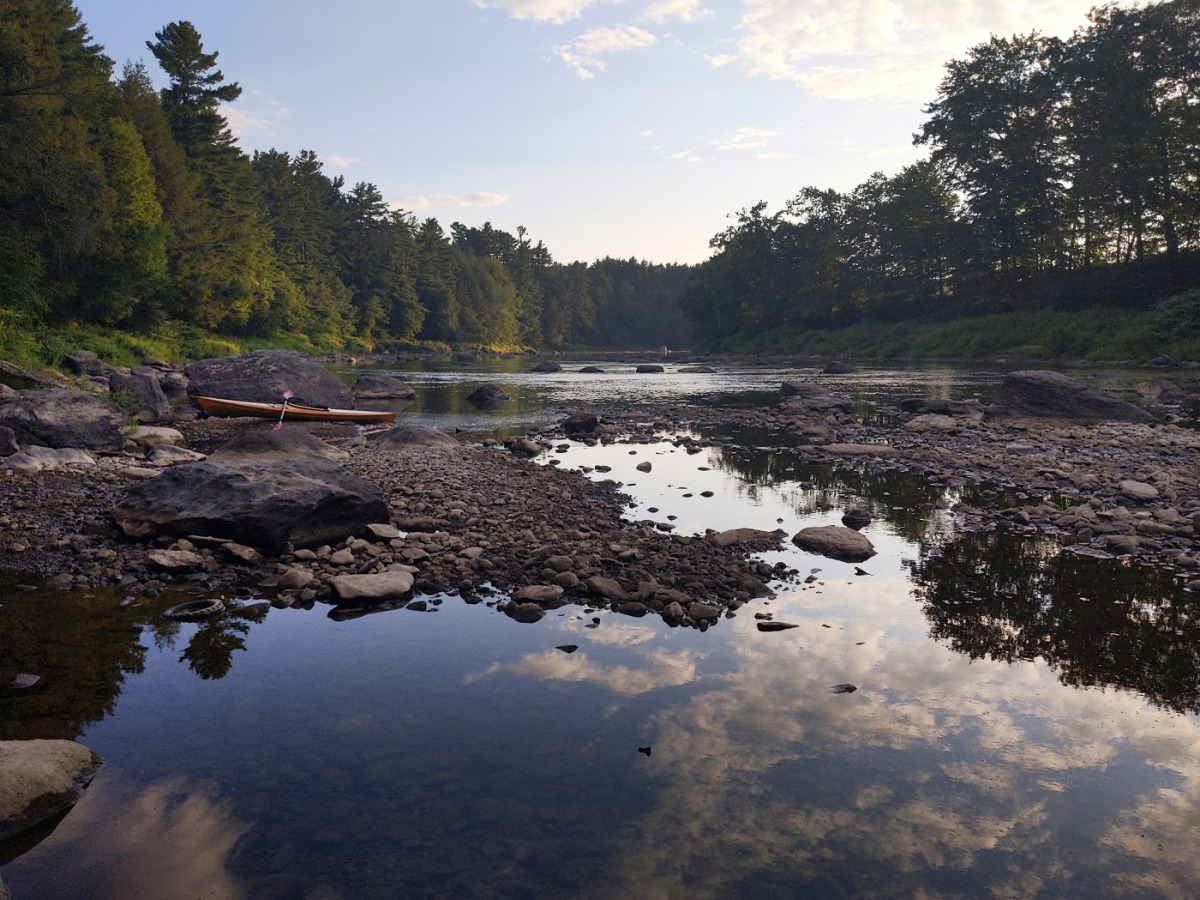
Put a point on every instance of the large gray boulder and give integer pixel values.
(145, 391)
(54, 417)
(40, 780)
(808, 397)
(264, 503)
(383, 387)
(264, 375)
(488, 396)
(1038, 394)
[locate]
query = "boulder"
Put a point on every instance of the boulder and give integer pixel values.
(146, 398)
(279, 443)
(264, 375)
(647, 369)
(547, 365)
(591, 370)
(742, 536)
(8, 441)
(812, 397)
(22, 378)
(1049, 395)
(404, 437)
(61, 418)
(836, 542)
(147, 436)
(40, 780)
(258, 502)
(581, 423)
(83, 362)
(371, 588)
(523, 446)
(608, 588)
(697, 370)
(488, 396)
(382, 387)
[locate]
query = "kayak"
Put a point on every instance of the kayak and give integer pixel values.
(216, 406)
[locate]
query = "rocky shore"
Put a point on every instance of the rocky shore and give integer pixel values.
(485, 522)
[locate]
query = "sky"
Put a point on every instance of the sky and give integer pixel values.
(623, 128)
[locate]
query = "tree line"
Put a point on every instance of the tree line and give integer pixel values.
(1061, 173)
(126, 206)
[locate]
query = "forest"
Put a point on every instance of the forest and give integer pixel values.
(1063, 175)
(130, 208)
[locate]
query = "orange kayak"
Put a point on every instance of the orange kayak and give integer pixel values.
(216, 406)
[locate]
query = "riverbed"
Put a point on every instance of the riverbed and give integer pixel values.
(964, 713)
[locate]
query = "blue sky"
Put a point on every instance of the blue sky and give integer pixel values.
(606, 127)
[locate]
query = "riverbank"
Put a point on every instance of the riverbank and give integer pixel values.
(480, 521)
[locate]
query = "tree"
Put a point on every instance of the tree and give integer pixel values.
(996, 128)
(195, 90)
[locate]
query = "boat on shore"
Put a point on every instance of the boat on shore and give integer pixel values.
(218, 406)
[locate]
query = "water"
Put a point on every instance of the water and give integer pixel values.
(1024, 721)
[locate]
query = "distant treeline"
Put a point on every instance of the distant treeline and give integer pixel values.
(1062, 174)
(125, 206)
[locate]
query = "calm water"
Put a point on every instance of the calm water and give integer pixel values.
(1024, 722)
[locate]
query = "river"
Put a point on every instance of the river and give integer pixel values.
(1022, 723)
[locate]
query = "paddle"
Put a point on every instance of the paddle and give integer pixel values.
(287, 395)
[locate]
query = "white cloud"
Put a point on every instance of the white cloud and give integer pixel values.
(773, 155)
(746, 139)
(254, 114)
(684, 10)
(340, 162)
(555, 12)
(879, 49)
(427, 201)
(582, 55)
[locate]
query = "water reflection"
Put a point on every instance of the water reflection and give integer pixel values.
(82, 646)
(1096, 622)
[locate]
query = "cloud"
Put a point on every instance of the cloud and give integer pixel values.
(480, 199)
(556, 12)
(746, 139)
(879, 49)
(255, 114)
(340, 162)
(662, 668)
(582, 55)
(684, 10)
(773, 155)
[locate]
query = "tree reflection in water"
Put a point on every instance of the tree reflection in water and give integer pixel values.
(1096, 622)
(209, 653)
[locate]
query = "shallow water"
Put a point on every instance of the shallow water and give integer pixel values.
(1024, 720)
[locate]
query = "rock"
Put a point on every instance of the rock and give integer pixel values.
(1049, 395)
(147, 436)
(40, 780)
(23, 681)
(55, 417)
(838, 367)
(646, 369)
(8, 441)
(776, 626)
(382, 387)
(858, 519)
(581, 423)
(644, 467)
(836, 542)
(541, 594)
(1138, 490)
(383, 531)
(697, 370)
(307, 502)
(742, 536)
(813, 398)
(699, 611)
(289, 442)
(560, 563)
(295, 579)
(83, 362)
(371, 588)
(843, 689)
(931, 422)
(607, 588)
(522, 446)
(547, 365)
(591, 370)
(264, 375)
(146, 398)
(22, 378)
(488, 396)
(404, 437)
(170, 455)
(634, 608)
(524, 612)
(176, 560)
(466, 357)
